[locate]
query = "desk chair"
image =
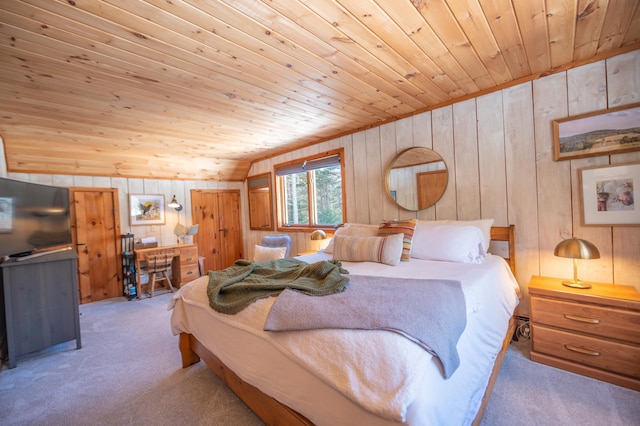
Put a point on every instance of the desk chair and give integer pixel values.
(159, 264)
(277, 241)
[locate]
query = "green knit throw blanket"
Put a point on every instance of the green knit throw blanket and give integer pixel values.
(236, 287)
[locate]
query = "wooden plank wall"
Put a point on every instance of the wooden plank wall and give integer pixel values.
(180, 188)
(498, 149)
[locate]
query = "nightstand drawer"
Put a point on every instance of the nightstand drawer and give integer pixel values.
(608, 322)
(603, 354)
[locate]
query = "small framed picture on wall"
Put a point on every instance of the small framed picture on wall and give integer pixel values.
(609, 195)
(146, 210)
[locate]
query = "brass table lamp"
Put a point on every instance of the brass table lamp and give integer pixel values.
(575, 248)
(318, 234)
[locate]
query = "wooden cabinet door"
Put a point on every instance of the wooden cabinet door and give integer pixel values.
(219, 238)
(96, 224)
(260, 204)
(260, 210)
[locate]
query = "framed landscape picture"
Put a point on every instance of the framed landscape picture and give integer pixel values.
(146, 209)
(611, 131)
(609, 194)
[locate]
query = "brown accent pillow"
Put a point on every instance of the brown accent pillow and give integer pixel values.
(405, 227)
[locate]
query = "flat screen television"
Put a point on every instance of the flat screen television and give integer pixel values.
(33, 217)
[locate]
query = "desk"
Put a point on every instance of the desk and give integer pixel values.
(184, 267)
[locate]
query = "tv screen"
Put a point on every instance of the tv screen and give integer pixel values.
(32, 217)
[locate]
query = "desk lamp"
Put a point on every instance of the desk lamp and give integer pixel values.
(575, 248)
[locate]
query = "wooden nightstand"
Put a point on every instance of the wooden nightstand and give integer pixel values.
(594, 332)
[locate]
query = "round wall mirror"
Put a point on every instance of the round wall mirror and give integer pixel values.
(416, 178)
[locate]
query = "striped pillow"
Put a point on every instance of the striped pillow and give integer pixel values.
(354, 230)
(404, 227)
(385, 250)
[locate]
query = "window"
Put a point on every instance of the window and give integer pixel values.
(311, 191)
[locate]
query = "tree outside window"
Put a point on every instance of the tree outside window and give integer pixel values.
(312, 192)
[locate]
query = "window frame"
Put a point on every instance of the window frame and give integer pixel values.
(281, 202)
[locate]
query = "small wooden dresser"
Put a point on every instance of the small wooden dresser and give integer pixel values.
(187, 266)
(594, 332)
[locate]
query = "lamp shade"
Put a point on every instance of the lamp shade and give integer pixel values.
(175, 204)
(575, 248)
(318, 234)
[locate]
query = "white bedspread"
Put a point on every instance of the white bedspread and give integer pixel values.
(382, 372)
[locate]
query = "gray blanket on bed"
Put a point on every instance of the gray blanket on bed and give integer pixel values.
(431, 313)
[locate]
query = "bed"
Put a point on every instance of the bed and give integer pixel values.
(293, 378)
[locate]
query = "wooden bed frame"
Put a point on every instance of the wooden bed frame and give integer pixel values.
(273, 412)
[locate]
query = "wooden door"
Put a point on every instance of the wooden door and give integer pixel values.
(204, 211)
(96, 226)
(230, 228)
(430, 187)
(219, 238)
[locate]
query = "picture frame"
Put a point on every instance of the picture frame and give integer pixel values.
(611, 131)
(146, 209)
(609, 194)
(6, 214)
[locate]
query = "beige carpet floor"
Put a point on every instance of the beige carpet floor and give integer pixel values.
(128, 373)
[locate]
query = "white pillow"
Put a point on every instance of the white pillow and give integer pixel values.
(385, 250)
(451, 243)
(354, 230)
(483, 224)
(264, 254)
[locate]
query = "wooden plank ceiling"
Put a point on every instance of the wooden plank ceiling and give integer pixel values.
(197, 89)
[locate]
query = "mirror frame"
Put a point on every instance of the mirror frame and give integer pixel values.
(269, 226)
(388, 178)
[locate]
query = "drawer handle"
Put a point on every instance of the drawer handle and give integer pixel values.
(189, 259)
(190, 272)
(582, 350)
(582, 319)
